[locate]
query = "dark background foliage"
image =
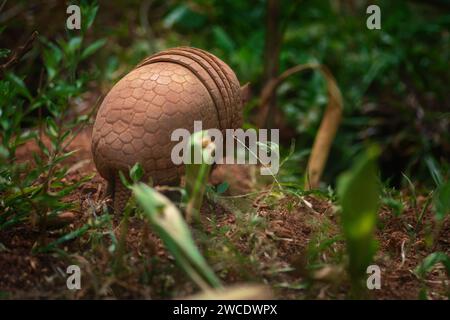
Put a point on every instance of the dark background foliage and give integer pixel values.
(394, 80)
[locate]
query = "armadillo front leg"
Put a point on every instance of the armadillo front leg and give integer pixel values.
(121, 195)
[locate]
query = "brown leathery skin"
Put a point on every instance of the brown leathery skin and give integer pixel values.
(166, 91)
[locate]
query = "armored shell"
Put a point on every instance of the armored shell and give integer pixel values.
(166, 91)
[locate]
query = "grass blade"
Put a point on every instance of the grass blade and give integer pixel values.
(358, 192)
(430, 261)
(173, 230)
(197, 174)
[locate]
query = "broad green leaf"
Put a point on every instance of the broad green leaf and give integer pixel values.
(358, 191)
(67, 237)
(124, 180)
(174, 16)
(92, 48)
(434, 169)
(173, 230)
(19, 85)
(99, 222)
(395, 205)
(73, 45)
(136, 172)
(184, 16)
(89, 14)
(4, 153)
(4, 53)
(442, 200)
(222, 188)
(52, 58)
(430, 261)
(222, 38)
(52, 127)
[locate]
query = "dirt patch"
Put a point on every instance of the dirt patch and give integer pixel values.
(262, 237)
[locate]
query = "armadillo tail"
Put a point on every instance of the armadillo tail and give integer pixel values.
(121, 195)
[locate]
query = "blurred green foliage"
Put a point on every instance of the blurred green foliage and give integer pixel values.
(394, 80)
(34, 189)
(170, 225)
(359, 193)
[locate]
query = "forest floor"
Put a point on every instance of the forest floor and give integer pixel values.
(246, 236)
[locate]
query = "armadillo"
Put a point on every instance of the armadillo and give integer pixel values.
(166, 91)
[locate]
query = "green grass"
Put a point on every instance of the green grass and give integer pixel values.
(34, 190)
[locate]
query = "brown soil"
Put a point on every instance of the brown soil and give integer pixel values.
(289, 229)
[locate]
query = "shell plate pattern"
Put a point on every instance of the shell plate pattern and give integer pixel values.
(166, 91)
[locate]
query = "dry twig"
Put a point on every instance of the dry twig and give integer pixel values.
(17, 54)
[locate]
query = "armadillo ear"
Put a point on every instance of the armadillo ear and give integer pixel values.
(245, 93)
